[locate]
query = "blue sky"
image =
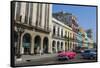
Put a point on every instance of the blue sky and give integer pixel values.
(86, 16)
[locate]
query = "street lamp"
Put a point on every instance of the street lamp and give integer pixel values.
(20, 31)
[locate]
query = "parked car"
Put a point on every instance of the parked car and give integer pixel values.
(62, 56)
(66, 55)
(89, 54)
(70, 54)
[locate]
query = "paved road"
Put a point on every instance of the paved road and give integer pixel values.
(54, 60)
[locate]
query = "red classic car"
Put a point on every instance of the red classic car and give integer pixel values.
(66, 55)
(62, 56)
(70, 54)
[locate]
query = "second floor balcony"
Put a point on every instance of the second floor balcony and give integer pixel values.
(58, 36)
(45, 29)
(25, 25)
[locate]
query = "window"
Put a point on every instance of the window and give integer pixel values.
(68, 34)
(53, 30)
(58, 31)
(61, 32)
(65, 33)
(61, 45)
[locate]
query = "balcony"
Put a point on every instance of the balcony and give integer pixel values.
(23, 25)
(58, 37)
(29, 26)
(42, 29)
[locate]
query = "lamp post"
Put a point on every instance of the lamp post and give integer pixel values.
(20, 31)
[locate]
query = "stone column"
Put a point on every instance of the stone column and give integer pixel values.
(22, 13)
(43, 16)
(15, 10)
(41, 44)
(49, 45)
(56, 47)
(21, 47)
(34, 15)
(32, 45)
(39, 10)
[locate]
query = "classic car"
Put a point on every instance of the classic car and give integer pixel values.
(89, 54)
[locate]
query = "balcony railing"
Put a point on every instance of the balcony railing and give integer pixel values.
(45, 29)
(58, 37)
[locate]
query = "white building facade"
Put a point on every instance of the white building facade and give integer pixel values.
(32, 27)
(59, 33)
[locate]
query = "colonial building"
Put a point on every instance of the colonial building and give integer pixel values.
(61, 35)
(86, 41)
(79, 38)
(58, 41)
(74, 25)
(83, 36)
(71, 21)
(69, 45)
(61, 21)
(32, 27)
(90, 38)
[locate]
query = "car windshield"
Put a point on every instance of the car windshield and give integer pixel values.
(89, 51)
(93, 50)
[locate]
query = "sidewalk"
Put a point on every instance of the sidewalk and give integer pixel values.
(38, 57)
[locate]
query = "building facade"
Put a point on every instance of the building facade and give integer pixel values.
(86, 41)
(57, 34)
(90, 38)
(61, 35)
(71, 21)
(79, 38)
(32, 27)
(74, 26)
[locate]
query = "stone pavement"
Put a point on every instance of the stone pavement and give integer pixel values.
(38, 57)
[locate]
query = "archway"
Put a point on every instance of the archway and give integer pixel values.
(53, 46)
(37, 45)
(26, 43)
(58, 46)
(61, 45)
(45, 45)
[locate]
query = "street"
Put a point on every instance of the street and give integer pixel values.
(53, 60)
